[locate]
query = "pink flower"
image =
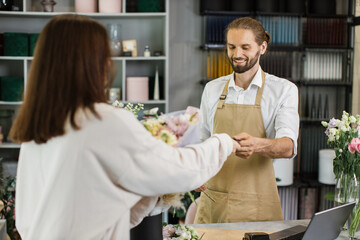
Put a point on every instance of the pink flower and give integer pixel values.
(354, 145)
(177, 125)
(168, 231)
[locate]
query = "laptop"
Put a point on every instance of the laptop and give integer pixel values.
(325, 225)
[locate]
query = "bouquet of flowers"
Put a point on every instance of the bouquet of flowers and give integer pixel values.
(179, 232)
(177, 129)
(344, 136)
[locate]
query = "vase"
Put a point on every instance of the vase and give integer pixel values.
(150, 228)
(347, 190)
(115, 38)
(48, 5)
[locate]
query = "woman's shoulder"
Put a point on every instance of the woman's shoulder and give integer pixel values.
(107, 110)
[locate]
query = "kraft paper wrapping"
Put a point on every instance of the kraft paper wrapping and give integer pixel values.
(223, 234)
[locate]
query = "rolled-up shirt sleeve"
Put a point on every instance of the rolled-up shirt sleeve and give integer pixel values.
(287, 117)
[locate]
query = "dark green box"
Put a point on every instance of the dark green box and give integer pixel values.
(1, 44)
(11, 89)
(16, 44)
(32, 42)
(150, 5)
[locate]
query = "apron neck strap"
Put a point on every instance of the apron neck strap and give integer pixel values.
(258, 95)
(223, 95)
(260, 90)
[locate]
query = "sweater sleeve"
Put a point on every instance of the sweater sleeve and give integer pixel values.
(147, 166)
(163, 169)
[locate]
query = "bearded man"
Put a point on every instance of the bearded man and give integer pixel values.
(261, 107)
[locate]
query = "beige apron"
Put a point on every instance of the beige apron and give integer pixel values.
(244, 189)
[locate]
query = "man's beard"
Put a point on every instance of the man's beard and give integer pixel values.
(249, 63)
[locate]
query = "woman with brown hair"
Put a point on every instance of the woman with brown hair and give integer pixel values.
(88, 170)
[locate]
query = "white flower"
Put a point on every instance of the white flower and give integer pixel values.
(344, 128)
(337, 122)
(118, 104)
(352, 119)
(152, 111)
(340, 150)
(332, 131)
(331, 138)
(325, 124)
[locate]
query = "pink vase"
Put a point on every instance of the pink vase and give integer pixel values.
(88, 6)
(110, 6)
(137, 89)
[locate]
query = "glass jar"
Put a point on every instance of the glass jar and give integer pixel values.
(347, 190)
(115, 38)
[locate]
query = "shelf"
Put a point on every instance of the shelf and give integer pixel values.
(280, 47)
(212, 46)
(4, 103)
(152, 58)
(146, 102)
(250, 14)
(317, 82)
(313, 120)
(140, 58)
(10, 145)
(282, 14)
(15, 58)
(306, 182)
(326, 48)
(95, 15)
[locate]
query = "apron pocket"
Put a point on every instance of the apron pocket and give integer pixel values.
(243, 207)
(212, 212)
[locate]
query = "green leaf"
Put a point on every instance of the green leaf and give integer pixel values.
(330, 196)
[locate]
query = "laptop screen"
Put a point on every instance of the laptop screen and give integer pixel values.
(324, 225)
(329, 223)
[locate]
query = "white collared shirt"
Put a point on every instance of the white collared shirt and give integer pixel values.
(279, 104)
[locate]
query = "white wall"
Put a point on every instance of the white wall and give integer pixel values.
(185, 56)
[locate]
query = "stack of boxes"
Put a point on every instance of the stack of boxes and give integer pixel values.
(15, 44)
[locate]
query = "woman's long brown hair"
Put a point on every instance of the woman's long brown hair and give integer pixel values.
(70, 70)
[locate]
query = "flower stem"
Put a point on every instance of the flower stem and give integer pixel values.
(355, 222)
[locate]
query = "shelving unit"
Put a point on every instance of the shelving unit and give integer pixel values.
(314, 51)
(148, 28)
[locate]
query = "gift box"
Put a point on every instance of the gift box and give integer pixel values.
(11, 89)
(149, 6)
(16, 44)
(137, 89)
(131, 6)
(1, 44)
(32, 42)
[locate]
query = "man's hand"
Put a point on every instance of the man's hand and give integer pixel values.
(236, 146)
(247, 145)
(272, 148)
